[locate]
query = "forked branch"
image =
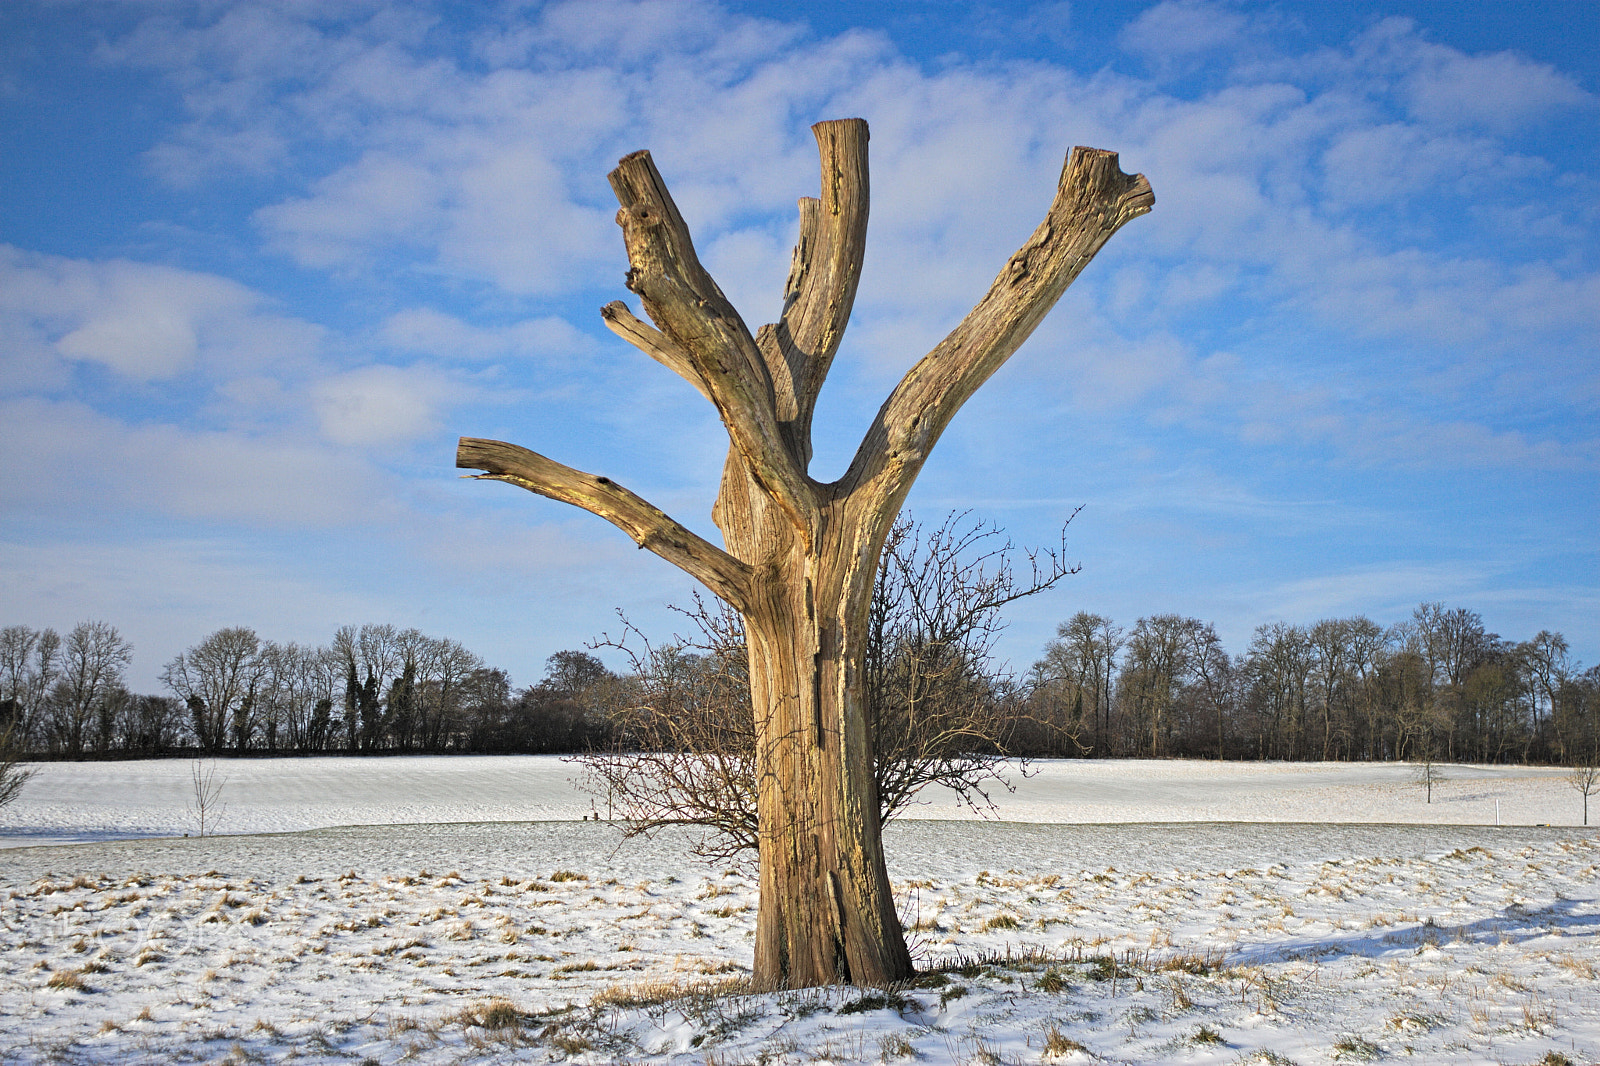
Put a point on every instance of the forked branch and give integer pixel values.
(821, 290)
(691, 311)
(649, 526)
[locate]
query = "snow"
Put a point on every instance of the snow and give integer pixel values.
(1217, 913)
(84, 801)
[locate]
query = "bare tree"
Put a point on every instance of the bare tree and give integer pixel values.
(1586, 779)
(450, 664)
(1211, 674)
(29, 663)
(1154, 670)
(1083, 661)
(1427, 772)
(1279, 668)
(684, 740)
(936, 710)
(371, 657)
(93, 658)
(219, 680)
(1330, 648)
(286, 694)
(1367, 651)
(1545, 661)
(152, 723)
(800, 557)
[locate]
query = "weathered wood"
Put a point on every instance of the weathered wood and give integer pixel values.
(821, 290)
(1094, 198)
(689, 308)
(649, 526)
(652, 342)
(801, 558)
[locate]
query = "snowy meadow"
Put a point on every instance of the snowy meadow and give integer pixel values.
(443, 910)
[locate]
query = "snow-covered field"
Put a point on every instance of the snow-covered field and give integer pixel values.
(77, 802)
(1217, 913)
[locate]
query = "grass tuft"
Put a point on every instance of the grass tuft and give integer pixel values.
(1053, 981)
(1357, 1048)
(68, 980)
(1057, 1044)
(885, 1000)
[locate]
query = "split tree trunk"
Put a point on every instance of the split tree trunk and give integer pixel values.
(800, 558)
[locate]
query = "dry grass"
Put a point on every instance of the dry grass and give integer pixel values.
(1537, 1016)
(1357, 1048)
(1057, 1043)
(489, 1024)
(1051, 981)
(896, 1046)
(67, 980)
(1576, 966)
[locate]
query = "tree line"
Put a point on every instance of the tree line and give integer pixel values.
(1434, 686)
(1437, 685)
(373, 689)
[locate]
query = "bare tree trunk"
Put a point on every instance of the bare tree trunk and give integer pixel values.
(801, 557)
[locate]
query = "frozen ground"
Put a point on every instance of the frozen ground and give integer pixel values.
(533, 941)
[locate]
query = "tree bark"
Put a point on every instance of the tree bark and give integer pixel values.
(800, 558)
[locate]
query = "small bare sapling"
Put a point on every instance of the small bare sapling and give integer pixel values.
(1426, 774)
(1586, 779)
(206, 802)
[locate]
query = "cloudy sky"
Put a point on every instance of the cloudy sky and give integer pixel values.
(261, 263)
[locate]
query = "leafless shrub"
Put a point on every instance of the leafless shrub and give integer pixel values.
(683, 749)
(13, 772)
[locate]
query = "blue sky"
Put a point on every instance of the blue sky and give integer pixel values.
(262, 263)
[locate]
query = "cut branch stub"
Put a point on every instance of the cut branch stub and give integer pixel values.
(821, 289)
(652, 342)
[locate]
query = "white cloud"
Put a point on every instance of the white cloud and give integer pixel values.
(1386, 592)
(381, 200)
(204, 583)
(1498, 91)
(145, 322)
(486, 201)
(377, 405)
(1298, 200)
(1379, 165)
(1182, 28)
(426, 331)
(66, 458)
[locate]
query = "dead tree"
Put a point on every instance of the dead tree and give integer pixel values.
(800, 557)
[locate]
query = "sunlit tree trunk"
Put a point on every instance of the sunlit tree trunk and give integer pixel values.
(799, 558)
